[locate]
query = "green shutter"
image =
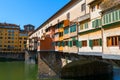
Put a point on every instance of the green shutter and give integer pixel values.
(116, 15)
(70, 29)
(109, 17)
(80, 44)
(77, 43)
(99, 22)
(58, 43)
(93, 24)
(70, 43)
(63, 43)
(90, 43)
(100, 42)
(75, 27)
(119, 14)
(73, 38)
(113, 17)
(104, 19)
(66, 31)
(86, 25)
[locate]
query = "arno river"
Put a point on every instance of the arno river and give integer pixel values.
(15, 70)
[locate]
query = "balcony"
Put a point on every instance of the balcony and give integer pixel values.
(66, 23)
(85, 17)
(111, 18)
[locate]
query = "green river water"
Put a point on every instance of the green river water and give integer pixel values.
(18, 70)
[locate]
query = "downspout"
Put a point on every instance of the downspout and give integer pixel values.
(102, 30)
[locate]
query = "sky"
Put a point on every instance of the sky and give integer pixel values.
(35, 12)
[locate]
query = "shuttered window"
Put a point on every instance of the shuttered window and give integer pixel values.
(111, 17)
(70, 43)
(90, 43)
(66, 31)
(84, 43)
(113, 41)
(86, 25)
(96, 23)
(60, 25)
(95, 42)
(80, 44)
(66, 43)
(73, 28)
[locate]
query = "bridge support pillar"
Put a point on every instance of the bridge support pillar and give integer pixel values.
(48, 66)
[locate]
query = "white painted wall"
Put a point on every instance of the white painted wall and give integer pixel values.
(113, 50)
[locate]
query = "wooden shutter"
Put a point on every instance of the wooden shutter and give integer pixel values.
(116, 15)
(93, 24)
(90, 43)
(63, 43)
(80, 44)
(76, 43)
(113, 17)
(109, 18)
(70, 43)
(100, 42)
(119, 14)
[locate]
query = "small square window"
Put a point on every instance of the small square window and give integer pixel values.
(83, 7)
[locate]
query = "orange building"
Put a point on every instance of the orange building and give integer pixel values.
(46, 43)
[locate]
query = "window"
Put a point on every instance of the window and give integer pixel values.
(70, 44)
(24, 42)
(9, 37)
(66, 43)
(98, 6)
(25, 38)
(111, 17)
(84, 26)
(57, 35)
(68, 16)
(93, 8)
(81, 27)
(5, 45)
(61, 34)
(95, 42)
(113, 41)
(74, 43)
(66, 31)
(20, 38)
(73, 28)
(96, 23)
(61, 25)
(84, 43)
(83, 7)
(1, 37)
(60, 44)
(38, 44)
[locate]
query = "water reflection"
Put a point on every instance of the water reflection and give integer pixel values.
(116, 75)
(17, 71)
(30, 72)
(21, 71)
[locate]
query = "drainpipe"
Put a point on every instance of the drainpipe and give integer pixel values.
(77, 25)
(102, 30)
